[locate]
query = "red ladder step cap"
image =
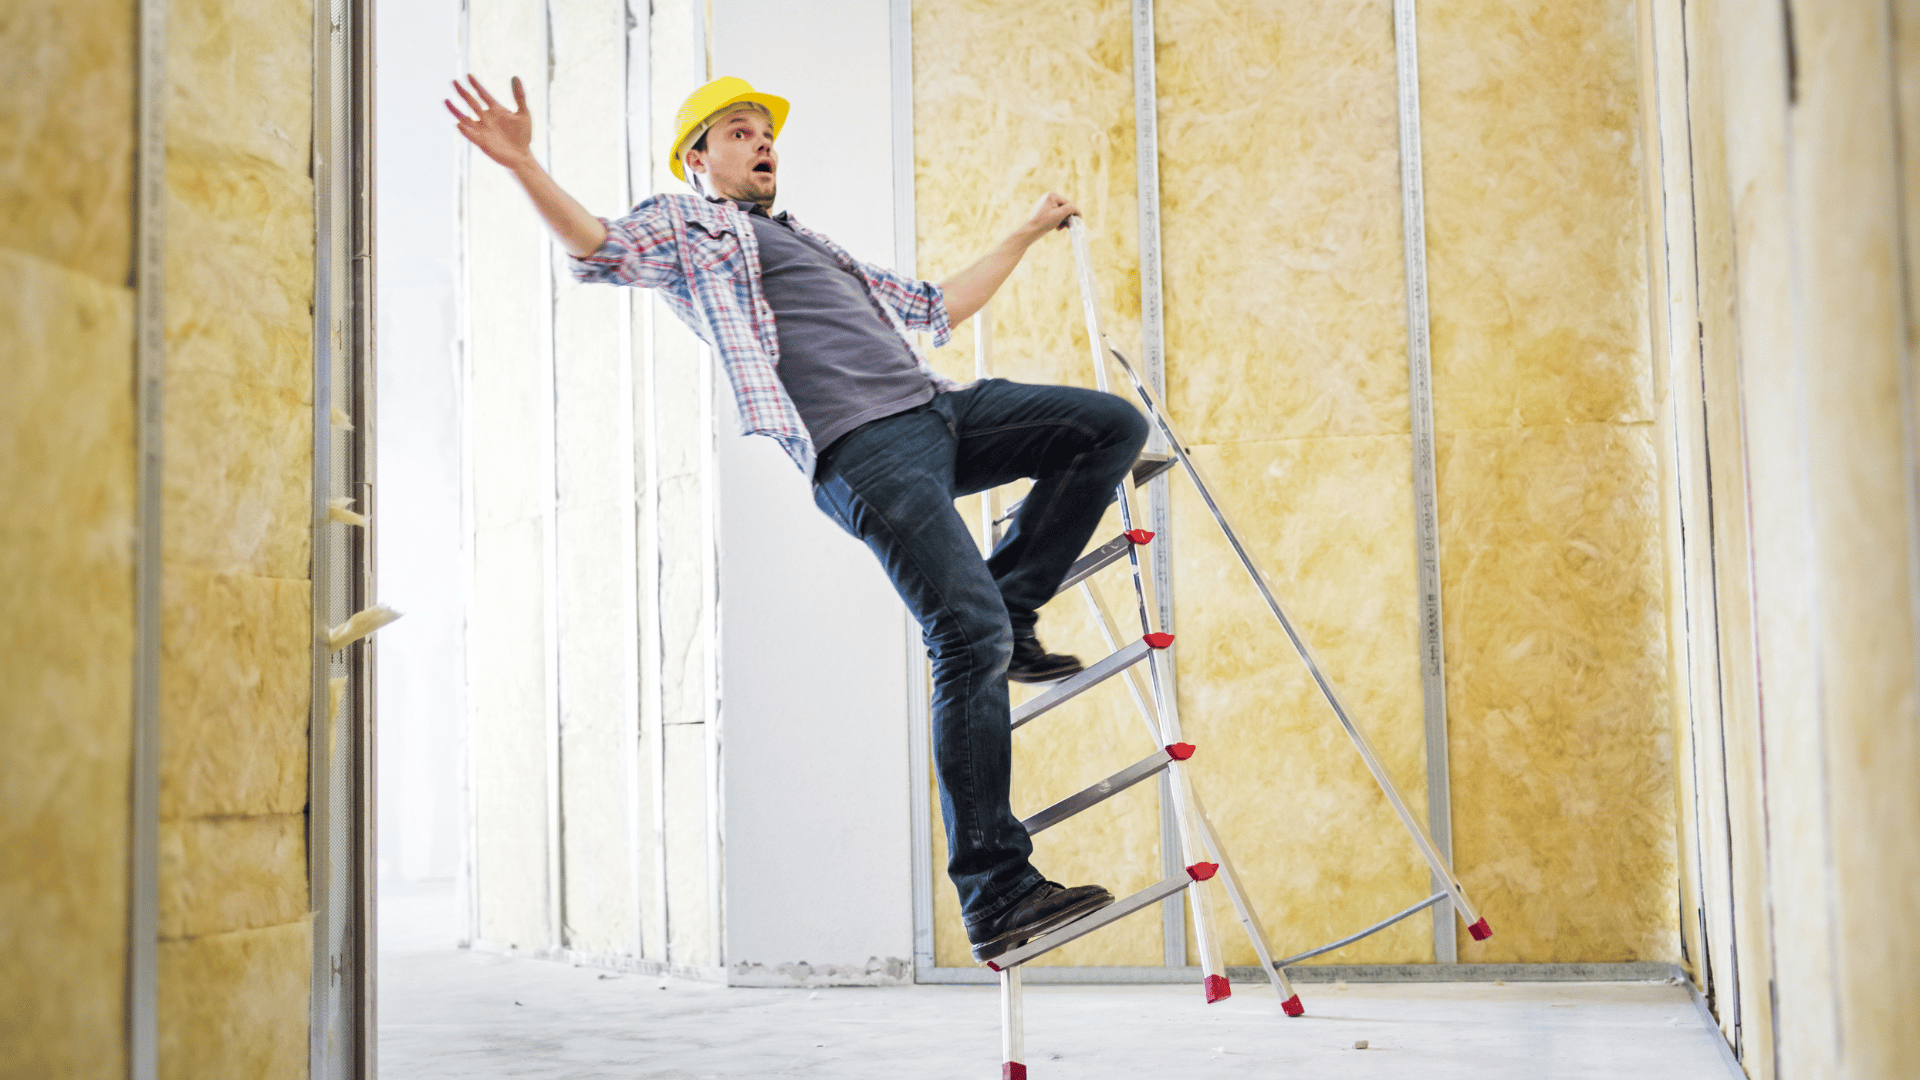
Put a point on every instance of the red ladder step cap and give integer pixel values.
(1201, 871)
(1139, 536)
(1181, 751)
(1012, 1070)
(1159, 641)
(1292, 1006)
(1480, 930)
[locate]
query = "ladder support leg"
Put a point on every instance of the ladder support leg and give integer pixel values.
(1249, 920)
(1013, 1039)
(1213, 981)
(1477, 925)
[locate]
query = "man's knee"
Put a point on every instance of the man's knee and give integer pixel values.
(983, 640)
(1122, 423)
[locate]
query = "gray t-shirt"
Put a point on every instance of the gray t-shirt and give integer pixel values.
(841, 363)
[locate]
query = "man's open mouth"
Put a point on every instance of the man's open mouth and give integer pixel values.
(765, 167)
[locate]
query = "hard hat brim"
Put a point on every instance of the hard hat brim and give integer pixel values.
(776, 111)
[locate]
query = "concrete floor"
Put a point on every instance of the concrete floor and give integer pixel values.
(448, 1013)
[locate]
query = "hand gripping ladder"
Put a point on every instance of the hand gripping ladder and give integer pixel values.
(1157, 709)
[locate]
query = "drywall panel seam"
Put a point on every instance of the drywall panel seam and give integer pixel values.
(1696, 510)
(143, 919)
(1815, 645)
(1676, 310)
(1667, 314)
(467, 902)
(919, 751)
(550, 521)
(1903, 359)
(638, 134)
(714, 706)
(1153, 346)
(1433, 674)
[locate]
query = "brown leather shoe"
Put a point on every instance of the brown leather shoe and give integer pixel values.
(1049, 906)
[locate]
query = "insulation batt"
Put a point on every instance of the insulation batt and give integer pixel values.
(359, 625)
(337, 512)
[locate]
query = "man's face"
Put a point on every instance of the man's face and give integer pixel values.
(739, 162)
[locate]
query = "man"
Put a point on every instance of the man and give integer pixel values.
(815, 345)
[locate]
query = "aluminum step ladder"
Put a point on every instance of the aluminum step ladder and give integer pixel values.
(1202, 852)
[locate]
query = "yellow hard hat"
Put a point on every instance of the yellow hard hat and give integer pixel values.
(717, 96)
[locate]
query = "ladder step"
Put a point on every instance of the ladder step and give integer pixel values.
(1151, 765)
(1149, 465)
(1145, 467)
(1070, 688)
(1101, 557)
(1113, 912)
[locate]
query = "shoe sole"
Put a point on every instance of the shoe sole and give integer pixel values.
(1013, 939)
(1046, 677)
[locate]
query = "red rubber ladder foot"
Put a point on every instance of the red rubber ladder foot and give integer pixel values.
(1139, 536)
(1292, 1006)
(1217, 988)
(1013, 1070)
(1480, 930)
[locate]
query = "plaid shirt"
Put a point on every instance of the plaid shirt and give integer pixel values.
(703, 256)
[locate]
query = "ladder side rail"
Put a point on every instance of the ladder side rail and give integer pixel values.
(1438, 864)
(1097, 342)
(1249, 919)
(1206, 936)
(1083, 268)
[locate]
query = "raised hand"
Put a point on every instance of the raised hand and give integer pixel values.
(1050, 213)
(506, 137)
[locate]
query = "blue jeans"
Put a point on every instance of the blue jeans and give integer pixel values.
(891, 482)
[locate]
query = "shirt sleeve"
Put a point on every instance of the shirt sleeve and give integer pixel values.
(639, 251)
(921, 305)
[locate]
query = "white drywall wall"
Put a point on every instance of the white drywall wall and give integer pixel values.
(417, 535)
(814, 699)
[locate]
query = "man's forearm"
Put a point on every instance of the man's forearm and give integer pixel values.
(969, 290)
(578, 231)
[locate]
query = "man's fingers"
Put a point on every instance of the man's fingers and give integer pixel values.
(519, 95)
(484, 96)
(457, 114)
(472, 105)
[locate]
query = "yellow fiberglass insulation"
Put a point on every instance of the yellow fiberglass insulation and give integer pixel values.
(236, 624)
